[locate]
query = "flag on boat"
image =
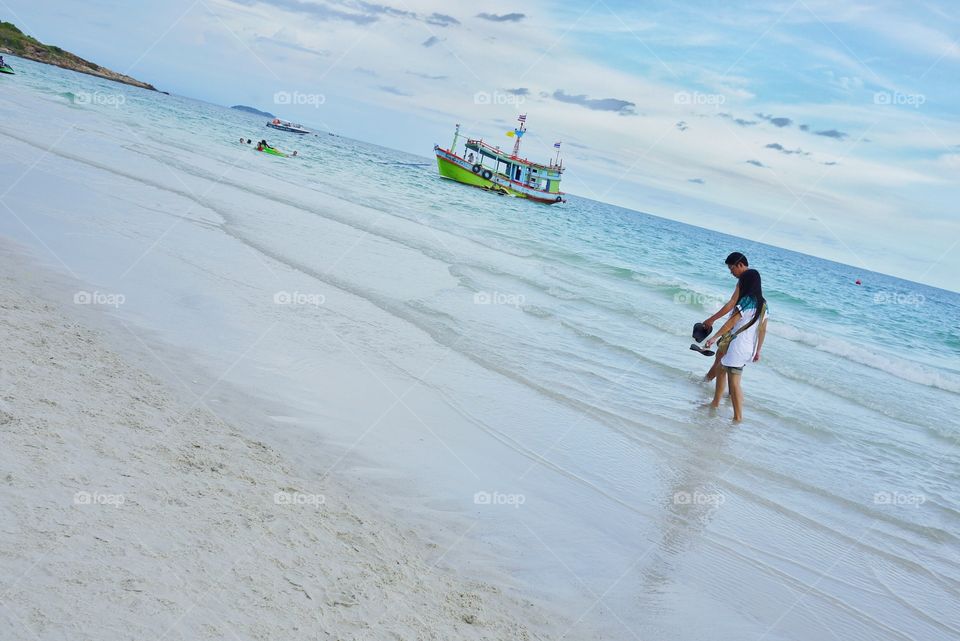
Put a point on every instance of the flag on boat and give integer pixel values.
(522, 117)
(556, 145)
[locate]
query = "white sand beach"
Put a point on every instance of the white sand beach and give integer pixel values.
(130, 512)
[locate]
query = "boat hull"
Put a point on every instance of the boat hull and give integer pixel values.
(287, 129)
(8, 70)
(455, 168)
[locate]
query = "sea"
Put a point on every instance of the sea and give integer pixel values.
(540, 357)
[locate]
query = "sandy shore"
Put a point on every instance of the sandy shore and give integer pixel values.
(127, 513)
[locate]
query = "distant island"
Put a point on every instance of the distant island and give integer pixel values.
(14, 41)
(255, 112)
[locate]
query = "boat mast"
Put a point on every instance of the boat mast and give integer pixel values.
(456, 134)
(522, 129)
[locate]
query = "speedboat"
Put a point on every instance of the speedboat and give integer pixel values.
(284, 125)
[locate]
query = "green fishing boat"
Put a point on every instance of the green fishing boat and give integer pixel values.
(483, 165)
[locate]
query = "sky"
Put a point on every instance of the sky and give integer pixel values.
(824, 126)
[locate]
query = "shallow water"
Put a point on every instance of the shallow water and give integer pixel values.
(556, 340)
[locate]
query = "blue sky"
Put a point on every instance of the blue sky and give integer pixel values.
(827, 127)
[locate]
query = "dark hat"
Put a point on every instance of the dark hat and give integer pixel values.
(701, 331)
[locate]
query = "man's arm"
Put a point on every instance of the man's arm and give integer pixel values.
(723, 330)
(726, 308)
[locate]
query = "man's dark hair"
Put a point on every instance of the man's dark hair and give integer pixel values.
(736, 258)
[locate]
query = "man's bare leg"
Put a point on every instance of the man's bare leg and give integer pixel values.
(716, 369)
(718, 392)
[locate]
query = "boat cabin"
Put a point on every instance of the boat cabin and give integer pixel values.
(518, 170)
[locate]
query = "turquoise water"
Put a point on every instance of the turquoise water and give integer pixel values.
(841, 483)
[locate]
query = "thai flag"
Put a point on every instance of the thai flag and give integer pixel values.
(556, 145)
(522, 117)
